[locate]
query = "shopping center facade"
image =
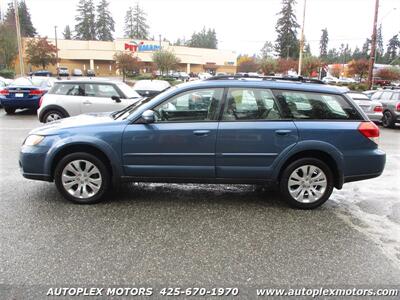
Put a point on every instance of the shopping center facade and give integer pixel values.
(99, 56)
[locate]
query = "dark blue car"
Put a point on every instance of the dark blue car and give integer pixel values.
(24, 92)
(307, 138)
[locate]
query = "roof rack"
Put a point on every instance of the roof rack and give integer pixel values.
(272, 78)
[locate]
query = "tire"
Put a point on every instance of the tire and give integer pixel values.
(312, 193)
(388, 120)
(9, 110)
(53, 115)
(87, 189)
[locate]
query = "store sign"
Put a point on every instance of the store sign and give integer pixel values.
(229, 63)
(134, 46)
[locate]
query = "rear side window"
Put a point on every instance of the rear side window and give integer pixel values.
(386, 96)
(250, 104)
(68, 89)
(100, 90)
(315, 106)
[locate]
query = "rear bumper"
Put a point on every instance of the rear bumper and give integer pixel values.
(20, 103)
(375, 117)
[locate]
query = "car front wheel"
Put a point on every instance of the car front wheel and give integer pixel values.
(53, 115)
(306, 183)
(82, 178)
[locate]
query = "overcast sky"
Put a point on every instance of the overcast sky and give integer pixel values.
(241, 25)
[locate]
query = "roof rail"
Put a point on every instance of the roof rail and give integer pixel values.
(272, 78)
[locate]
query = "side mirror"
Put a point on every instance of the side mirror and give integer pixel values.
(116, 99)
(148, 117)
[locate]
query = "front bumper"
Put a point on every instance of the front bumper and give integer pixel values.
(32, 161)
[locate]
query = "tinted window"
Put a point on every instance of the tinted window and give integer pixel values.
(70, 89)
(250, 104)
(192, 106)
(315, 106)
(100, 90)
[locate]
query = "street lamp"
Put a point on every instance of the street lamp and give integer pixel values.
(302, 40)
(55, 36)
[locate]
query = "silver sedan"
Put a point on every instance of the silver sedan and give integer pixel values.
(372, 108)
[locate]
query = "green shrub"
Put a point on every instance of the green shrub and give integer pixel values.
(7, 73)
(143, 76)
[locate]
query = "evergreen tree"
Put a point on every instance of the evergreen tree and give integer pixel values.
(392, 46)
(323, 43)
(204, 39)
(267, 50)
(27, 29)
(287, 44)
(307, 49)
(104, 22)
(366, 48)
(136, 23)
(379, 44)
(67, 33)
(357, 54)
(85, 29)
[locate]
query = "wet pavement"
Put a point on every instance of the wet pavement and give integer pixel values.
(195, 234)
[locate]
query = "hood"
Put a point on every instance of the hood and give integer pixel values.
(73, 122)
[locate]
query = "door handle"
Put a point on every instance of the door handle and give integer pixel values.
(283, 131)
(87, 102)
(201, 132)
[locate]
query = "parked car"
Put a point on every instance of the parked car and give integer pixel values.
(330, 79)
(24, 92)
(42, 73)
(373, 109)
(63, 72)
(306, 138)
(345, 80)
(77, 72)
(150, 88)
(390, 100)
(204, 75)
(90, 73)
(73, 97)
(381, 82)
(5, 81)
(369, 93)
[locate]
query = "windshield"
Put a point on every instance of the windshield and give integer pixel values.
(358, 96)
(128, 91)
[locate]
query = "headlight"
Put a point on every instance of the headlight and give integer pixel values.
(33, 140)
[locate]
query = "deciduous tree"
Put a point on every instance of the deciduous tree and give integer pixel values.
(247, 63)
(267, 50)
(358, 68)
(8, 46)
(127, 63)
(40, 52)
(165, 60)
(268, 66)
(392, 73)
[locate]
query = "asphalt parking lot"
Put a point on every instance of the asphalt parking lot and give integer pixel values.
(186, 235)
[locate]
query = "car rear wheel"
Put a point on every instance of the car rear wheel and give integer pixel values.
(82, 178)
(53, 115)
(388, 120)
(306, 183)
(9, 110)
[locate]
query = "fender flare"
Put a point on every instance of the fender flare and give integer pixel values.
(52, 107)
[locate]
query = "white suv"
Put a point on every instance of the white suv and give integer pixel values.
(73, 97)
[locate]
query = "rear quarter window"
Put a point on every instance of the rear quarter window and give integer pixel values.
(67, 89)
(315, 106)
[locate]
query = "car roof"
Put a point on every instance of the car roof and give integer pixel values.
(269, 84)
(89, 80)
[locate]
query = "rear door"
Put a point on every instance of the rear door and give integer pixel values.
(68, 95)
(98, 98)
(251, 134)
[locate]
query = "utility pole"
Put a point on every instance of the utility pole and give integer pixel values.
(160, 40)
(55, 36)
(21, 60)
(302, 40)
(373, 47)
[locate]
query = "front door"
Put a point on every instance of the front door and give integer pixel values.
(251, 135)
(98, 98)
(180, 143)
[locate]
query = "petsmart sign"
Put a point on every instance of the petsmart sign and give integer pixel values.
(134, 46)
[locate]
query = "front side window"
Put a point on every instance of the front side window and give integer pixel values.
(192, 106)
(100, 90)
(315, 106)
(250, 104)
(67, 89)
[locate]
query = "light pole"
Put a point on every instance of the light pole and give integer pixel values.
(373, 47)
(21, 60)
(55, 37)
(302, 40)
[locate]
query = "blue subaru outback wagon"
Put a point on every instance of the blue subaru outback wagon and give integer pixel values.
(304, 136)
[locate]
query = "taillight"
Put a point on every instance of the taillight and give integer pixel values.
(378, 108)
(369, 130)
(36, 92)
(40, 101)
(398, 106)
(4, 92)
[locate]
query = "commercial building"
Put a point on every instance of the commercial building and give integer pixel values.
(98, 56)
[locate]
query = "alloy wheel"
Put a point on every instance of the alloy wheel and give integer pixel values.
(53, 117)
(81, 179)
(307, 184)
